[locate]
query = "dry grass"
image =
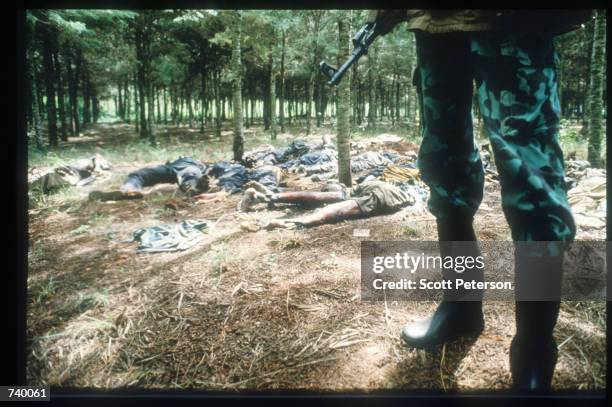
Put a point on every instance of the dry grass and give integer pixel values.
(267, 310)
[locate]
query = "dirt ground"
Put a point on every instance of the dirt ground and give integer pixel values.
(265, 310)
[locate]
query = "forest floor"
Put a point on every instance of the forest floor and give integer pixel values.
(269, 310)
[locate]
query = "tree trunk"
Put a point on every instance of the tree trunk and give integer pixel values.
(238, 146)
(371, 90)
(86, 93)
(148, 28)
(181, 102)
(354, 101)
(95, 103)
(266, 101)
(583, 103)
(202, 99)
(158, 104)
(320, 109)
(272, 95)
(136, 103)
(313, 68)
(397, 99)
(189, 107)
(49, 76)
(218, 103)
(141, 66)
(344, 97)
(290, 101)
(40, 86)
(596, 128)
(36, 116)
(73, 83)
(128, 105)
(253, 99)
(281, 96)
(60, 89)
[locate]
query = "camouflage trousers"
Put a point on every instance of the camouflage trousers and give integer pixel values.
(516, 88)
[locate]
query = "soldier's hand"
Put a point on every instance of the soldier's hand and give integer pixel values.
(386, 20)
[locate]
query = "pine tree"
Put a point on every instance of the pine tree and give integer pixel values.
(343, 112)
(596, 95)
(238, 146)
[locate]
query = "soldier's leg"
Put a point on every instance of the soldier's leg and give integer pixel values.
(450, 165)
(448, 158)
(517, 89)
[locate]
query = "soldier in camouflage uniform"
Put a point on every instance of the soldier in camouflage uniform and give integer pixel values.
(516, 81)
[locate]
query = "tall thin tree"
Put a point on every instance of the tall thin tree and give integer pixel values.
(238, 145)
(596, 128)
(343, 112)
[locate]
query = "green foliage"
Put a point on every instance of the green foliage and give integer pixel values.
(43, 292)
(186, 46)
(570, 131)
(410, 232)
(92, 299)
(82, 229)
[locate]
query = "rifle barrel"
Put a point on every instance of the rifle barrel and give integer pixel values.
(357, 53)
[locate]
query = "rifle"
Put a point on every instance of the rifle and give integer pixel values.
(361, 41)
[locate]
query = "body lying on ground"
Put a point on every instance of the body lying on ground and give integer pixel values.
(187, 172)
(76, 173)
(193, 178)
(207, 182)
(370, 198)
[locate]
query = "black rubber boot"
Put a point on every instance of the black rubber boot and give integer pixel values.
(451, 320)
(533, 352)
(454, 317)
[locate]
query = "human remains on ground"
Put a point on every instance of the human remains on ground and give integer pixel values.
(370, 198)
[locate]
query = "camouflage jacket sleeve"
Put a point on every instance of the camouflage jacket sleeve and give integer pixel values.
(386, 20)
(447, 21)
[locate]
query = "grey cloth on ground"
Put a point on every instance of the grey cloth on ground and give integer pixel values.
(170, 238)
(369, 160)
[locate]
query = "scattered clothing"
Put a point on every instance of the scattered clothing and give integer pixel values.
(396, 173)
(296, 149)
(268, 155)
(587, 197)
(369, 160)
(418, 192)
(231, 177)
(170, 238)
(317, 157)
(269, 176)
(375, 173)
